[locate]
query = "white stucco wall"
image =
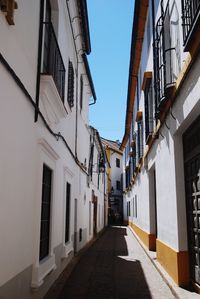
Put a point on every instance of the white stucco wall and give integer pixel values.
(26, 146)
(166, 155)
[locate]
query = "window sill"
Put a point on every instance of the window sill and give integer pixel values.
(51, 104)
(41, 270)
(66, 250)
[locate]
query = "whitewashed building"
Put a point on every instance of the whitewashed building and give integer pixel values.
(161, 143)
(114, 170)
(51, 194)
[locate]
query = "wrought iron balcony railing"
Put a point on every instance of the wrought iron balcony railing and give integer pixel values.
(190, 16)
(165, 62)
(52, 59)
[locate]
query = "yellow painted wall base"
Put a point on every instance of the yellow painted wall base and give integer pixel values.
(176, 263)
(148, 239)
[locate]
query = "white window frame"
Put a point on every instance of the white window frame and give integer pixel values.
(42, 268)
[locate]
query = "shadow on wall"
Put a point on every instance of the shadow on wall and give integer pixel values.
(105, 272)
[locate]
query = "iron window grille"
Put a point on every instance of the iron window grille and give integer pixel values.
(45, 212)
(164, 50)
(52, 59)
(128, 176)
(67, 212)
(149, 110)
(140, 140)
(133, 158)
(90, 168)
(70, 93)
(190, 18)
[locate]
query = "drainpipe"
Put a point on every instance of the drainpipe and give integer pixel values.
(154, 53)
(39, 60)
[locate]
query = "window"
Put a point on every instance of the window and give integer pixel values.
(81, 92)
(90, 168)
(52, 59)
(45, 212)
(136, 206)
(128, 209)
(90, 217)
(149, 109)
(190, 17)
(128, 178)
(140, 140)
(148, 32)
(67, 212)
(118, 185)
(70, 93)
(166, 53)
(117, 162)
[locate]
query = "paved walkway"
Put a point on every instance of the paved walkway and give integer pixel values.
(115, 267)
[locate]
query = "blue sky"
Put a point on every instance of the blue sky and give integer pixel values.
(110, 33)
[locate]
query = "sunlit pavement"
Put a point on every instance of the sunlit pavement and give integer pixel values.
(115, 266)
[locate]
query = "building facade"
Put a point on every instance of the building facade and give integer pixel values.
(114, 180)
(51, 187)
(161, 144)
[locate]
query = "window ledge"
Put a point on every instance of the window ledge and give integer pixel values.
(146, 79)
(139, 116)
(41, 270)
(51, 104)
(66, 250)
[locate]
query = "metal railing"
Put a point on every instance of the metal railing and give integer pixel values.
(52, 59)
(149, 111)
(190, 16)
(164, 51)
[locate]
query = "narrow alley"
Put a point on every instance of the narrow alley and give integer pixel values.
(115, 266)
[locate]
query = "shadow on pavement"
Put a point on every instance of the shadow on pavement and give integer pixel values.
(105, 271)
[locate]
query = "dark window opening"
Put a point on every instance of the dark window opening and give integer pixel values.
(67, 212)
(118, 185)
(149, 110)
(128, 209)
(117, 162)
(45, 212)
(140, 140)
(90, 168)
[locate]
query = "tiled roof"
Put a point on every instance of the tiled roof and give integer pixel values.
(115, 145)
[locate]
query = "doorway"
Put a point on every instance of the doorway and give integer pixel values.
(191, 147)
(95, 201)
(75, 225)
(152, 209)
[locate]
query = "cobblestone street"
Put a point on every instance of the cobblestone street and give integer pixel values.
(115, 267)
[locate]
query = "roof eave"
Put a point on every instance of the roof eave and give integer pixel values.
(140, 14)
(85, 22)
(87, 68)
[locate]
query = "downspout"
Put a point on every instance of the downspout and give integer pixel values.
(154, 55)
(39, 60)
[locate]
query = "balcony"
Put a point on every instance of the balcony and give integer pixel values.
(166, 56)
(191, 18)
(52, 59)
